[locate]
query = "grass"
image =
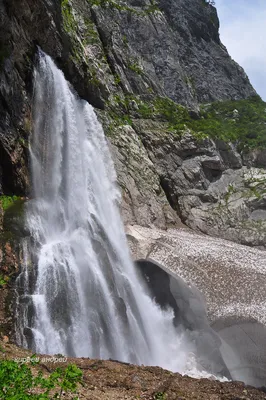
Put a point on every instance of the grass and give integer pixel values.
(160, 396)
(69, 21)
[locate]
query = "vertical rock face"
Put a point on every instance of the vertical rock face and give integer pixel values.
(121, 56)
(174, 51)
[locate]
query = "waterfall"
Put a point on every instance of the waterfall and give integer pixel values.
(86, 299)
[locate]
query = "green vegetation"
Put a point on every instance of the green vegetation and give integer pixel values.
(125, 41)
(22, 141)
(157, 108)
(19, 383)
(82, 32)
(7, 201)
(230, 191)
(91, 33)
(69, 22)
(256, 186)
(241, 121)
(160, 396)
(3, 280)
(93, 79)
(117, 79)
(134, 66)
(175, 114)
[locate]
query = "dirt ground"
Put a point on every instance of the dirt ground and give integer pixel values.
(112, 380)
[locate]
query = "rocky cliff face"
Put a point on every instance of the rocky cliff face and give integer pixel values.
(135, 61)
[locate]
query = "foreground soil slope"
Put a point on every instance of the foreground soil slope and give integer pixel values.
(112, 380)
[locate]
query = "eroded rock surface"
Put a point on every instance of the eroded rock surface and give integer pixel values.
(243, 349)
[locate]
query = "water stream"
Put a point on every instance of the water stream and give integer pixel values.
(87, 299)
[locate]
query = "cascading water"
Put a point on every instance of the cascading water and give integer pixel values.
(87, 299)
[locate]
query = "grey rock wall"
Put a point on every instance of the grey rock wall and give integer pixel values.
(209, 185)
(177, 51)
(136, 48)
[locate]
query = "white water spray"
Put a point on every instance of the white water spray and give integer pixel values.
(87, 299)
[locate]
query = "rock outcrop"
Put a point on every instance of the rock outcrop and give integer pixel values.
(209, 184)
(121, 57)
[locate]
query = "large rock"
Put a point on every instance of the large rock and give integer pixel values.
(65, 31)
(233, 207)
(143, 202)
